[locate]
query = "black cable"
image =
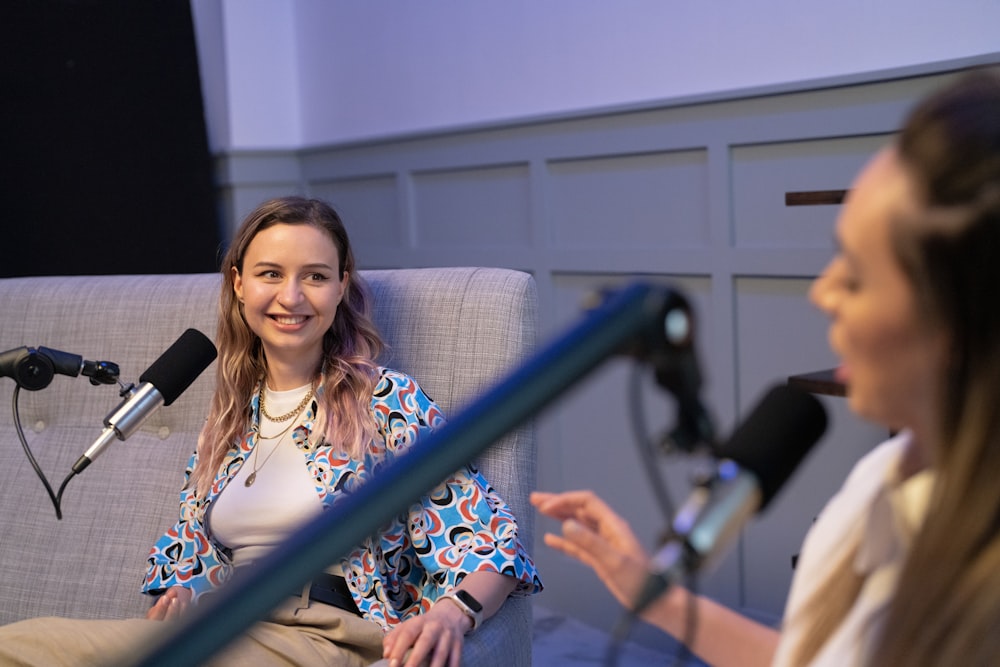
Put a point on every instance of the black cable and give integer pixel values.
(62, 487)
(647, 451)
(619, 633)
(56, 500)
(647, 448)
(102, 378)
(683, 653)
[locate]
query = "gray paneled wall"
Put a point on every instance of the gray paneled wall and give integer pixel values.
(689, 194)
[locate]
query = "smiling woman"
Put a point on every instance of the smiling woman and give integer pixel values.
(290, 284)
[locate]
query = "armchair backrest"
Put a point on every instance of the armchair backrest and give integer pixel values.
(458, 330)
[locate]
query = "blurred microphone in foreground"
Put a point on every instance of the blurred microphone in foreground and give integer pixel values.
(750, 469)
(754, 465)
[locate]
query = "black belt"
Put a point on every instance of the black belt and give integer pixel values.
(332, 590)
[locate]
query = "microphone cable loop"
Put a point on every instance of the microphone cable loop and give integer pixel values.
(54, 496)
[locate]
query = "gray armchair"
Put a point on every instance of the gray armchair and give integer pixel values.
(454, 329)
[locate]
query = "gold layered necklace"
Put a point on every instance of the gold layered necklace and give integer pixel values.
(288, 415)
(252, 477)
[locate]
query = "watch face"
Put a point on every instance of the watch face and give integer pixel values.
(470, 601)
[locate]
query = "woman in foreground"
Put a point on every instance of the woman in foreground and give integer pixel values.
(903, 565)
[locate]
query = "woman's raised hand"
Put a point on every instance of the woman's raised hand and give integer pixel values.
(597, 536)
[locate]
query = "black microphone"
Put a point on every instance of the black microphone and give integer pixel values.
(33, 369)
(676, 369)
(753, 466)
(668, 348)
(160, 384)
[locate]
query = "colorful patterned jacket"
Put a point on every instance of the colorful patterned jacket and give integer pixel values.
(406, 566)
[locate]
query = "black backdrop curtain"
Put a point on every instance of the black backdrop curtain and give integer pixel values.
(105, 161)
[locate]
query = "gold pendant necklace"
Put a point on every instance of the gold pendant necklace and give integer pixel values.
(252, 477)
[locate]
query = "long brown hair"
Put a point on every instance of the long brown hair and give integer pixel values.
(350, 347)
(946, 607)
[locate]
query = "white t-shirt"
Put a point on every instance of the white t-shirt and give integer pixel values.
(252, 520)
(880, 512)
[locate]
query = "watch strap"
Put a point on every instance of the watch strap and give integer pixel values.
(469, 605)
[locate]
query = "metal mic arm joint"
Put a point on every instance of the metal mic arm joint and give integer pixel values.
(101, 372)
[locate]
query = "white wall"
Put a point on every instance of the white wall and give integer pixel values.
(303, 73)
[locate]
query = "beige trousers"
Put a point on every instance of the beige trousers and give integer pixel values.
(294, 635)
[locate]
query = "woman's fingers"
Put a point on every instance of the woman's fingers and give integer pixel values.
(598, 537)
(429, 639)
(587, 510)
(170, 605)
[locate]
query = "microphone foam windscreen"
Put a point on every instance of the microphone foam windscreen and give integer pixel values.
(180, 365)
(776, 436)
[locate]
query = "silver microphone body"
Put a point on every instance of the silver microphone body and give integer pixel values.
(752, 467)
(715, 514)
(125, 420)
(160, 384)
(704, 526)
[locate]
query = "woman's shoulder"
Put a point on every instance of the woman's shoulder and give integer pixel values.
(390, 381)
(868, 477)
(391, 376)
(882, 460)
(385, 371)
(397, 393)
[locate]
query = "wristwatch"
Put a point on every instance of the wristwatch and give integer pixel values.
(469, 605)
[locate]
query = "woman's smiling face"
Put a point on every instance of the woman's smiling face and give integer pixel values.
(290, 288)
